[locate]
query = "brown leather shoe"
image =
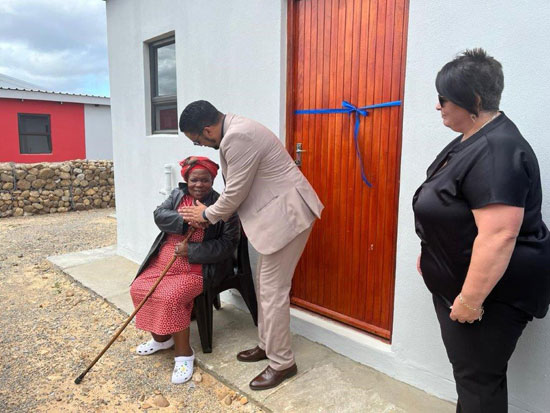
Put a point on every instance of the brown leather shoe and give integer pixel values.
(270, 378)
(254, 354)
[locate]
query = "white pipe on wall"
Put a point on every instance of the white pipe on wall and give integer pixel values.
(167, 179)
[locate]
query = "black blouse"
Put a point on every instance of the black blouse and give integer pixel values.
(496, 165)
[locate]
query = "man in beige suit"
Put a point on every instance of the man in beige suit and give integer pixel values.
(277, 207)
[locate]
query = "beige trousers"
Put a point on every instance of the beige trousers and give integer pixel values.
(273, 282)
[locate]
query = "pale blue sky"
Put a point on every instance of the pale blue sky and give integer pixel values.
(60, 45)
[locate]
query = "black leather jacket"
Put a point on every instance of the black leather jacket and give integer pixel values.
(216, 252)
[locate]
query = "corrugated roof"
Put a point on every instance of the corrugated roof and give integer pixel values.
(11, 83)
(53, 93)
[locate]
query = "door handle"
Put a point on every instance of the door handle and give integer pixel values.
(299, 151)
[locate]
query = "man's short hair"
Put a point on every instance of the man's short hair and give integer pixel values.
(471, 75)
(197, 115)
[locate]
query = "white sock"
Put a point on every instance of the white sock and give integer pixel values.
(152, 346)
(183, 369)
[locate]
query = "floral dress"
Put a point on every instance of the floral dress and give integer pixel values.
(168, 309)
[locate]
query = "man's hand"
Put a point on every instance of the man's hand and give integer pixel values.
(193, 213)
(181, 249)
(194, 224)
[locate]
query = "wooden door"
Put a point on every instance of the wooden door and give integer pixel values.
(351, 50)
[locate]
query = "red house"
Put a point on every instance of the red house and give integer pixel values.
(42, 126)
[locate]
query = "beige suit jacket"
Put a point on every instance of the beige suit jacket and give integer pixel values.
(274, 200)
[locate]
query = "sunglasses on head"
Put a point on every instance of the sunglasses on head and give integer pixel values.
(442, 100)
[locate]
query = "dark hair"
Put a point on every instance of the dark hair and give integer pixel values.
(473, 81)
(197, 115)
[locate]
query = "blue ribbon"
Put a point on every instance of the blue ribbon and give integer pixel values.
(357, 112)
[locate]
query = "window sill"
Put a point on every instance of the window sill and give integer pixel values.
(163, 135)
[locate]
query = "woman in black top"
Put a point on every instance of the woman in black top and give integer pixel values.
(485, 249)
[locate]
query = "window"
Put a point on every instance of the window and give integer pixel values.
(164, 112)
(34, 133)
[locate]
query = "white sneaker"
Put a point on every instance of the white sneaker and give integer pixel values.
(183, 369)
(153, 346)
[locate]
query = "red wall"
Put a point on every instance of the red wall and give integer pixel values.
(67, 130)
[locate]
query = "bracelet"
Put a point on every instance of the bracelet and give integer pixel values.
(204, 215)
(469, 307)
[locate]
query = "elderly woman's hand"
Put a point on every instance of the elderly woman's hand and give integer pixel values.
(181, 249)
(464, 312)
(198, 225)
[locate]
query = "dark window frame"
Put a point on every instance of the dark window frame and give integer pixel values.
(159, 101)
(20, 119)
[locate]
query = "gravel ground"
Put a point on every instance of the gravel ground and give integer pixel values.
(52, 328)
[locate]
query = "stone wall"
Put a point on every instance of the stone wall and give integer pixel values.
(44, 188)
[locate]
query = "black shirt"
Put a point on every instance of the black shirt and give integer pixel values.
(496, 165)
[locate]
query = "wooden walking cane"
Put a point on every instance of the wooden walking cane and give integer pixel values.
(121, 329)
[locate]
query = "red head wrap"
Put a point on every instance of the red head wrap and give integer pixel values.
(198, 162)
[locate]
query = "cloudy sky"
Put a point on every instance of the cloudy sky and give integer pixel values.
(60, 45)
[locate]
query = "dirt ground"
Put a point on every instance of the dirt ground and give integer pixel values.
(51, 328)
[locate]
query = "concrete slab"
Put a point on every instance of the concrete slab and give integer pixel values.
(82, 257)
(103, 272)
(122, 301)
(326, 381)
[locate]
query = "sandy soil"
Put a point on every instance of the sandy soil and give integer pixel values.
(52, 328)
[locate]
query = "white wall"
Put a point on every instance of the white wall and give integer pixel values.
(516, 33)
(227, 52)
(97, 124)
(233, 54)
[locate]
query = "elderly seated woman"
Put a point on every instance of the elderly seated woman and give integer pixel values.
(208, 255)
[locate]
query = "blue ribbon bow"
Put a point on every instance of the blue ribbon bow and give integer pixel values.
(358, 112)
